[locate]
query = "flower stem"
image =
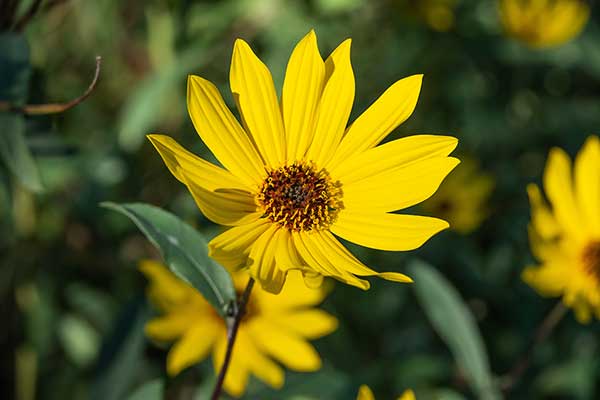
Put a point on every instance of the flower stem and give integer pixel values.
(53, 108)
(543, 331)
(232, 329)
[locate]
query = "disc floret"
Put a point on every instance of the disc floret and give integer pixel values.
(299, 197)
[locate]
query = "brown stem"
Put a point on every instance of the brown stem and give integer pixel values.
(543, 331)
(53, 108)
(231, 334)
(29, 14)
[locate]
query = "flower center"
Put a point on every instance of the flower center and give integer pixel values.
(591, 259)
(300, 198)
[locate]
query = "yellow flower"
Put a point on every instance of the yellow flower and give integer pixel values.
(461, 200)
(544, 23)
(364, 393)
(438, 14)
(273, 327)
(295, 174)
(566, 238)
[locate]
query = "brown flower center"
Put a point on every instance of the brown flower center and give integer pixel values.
(591, 259)
(300, 198)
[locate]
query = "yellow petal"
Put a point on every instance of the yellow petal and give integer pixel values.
(291, 350)
(221, 132)
(566, 19)
(252, 87)
(558, 184)
(391, 109)
(334, 107)
(302, 88)
(257, 363)
(179, 160)
(542, 219)
(386, 231)
(294, 295)
(192, 347)
(407, 395)
(261, 261)
(310, 324)
(320, 261)
(399, 187)
(365, 393)
(229, 207)
(394, 154)
(549, 279)
(587, 184)
(286, 255)
(165, 290)
(312, 280)
(343, 258)
(231, 248)
(168, 327)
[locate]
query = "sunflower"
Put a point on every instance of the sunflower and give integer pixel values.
(544, 23)
(294, 174)
(365, 393)
(462, 199)
(566, 238)
(277, 327)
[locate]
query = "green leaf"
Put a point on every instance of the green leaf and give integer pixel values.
(152, 390)
(455, 324)
(15, 153)
(121, 361)
(15, 69)
(184, 250)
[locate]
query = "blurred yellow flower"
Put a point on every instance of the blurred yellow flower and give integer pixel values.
(566, 238)
(364, 393)
(438, 14)
(295, 175)
(544, 23)
(276, 327)
(462, 198)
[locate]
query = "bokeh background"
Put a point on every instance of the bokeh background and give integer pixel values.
(72, 299)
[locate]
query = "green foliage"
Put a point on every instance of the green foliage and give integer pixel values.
(185, 252)
(68, 283)
(453, 321)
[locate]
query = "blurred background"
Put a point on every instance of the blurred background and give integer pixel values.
(69, 287)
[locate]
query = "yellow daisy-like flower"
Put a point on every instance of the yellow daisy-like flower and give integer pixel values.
(295, 174)
(365, 393)
(544, 23)
(273, 327)
(462, 199)
(566, 238)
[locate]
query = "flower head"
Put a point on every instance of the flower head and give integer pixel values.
(273, 327)
(544, 23)
(365, 393)
(295, 174)
(462, 199)
(566, 238)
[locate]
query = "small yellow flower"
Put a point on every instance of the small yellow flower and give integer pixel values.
(544, 23)
(294, 174)
(364, 393)
(462, 198)
(566, 238)
(276, 327)
(438, 14)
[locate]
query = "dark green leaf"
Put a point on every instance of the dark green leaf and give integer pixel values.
(184, 251)
(455, 324)
(15, 153)
(14, 68)
(121, 358)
